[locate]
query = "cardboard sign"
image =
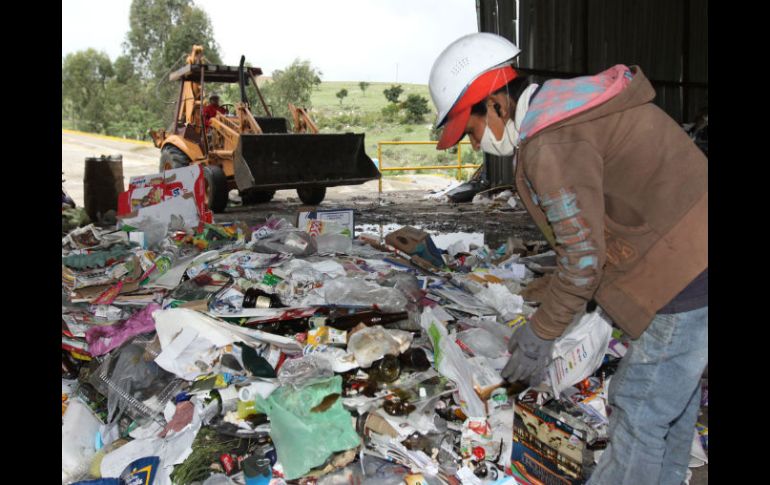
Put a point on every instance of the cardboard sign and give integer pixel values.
(343, 218)
(153, 189)
(184, 207)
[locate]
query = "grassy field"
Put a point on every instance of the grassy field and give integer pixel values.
(324, 98)
(360, 111)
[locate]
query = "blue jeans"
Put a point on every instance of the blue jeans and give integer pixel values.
(655, 398)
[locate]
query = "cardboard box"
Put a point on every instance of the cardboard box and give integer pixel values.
(153, 189)
(549, 449)
(413, 241)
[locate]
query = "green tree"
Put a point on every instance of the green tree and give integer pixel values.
(161, 35)
(390, 112)
(392, 93)
(84, 81)
(341, 94)
(363, 85)
(194, 27)
(416, 108)
(294, 84)
(132, 95)
(161, 32)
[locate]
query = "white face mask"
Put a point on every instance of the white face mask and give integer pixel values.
(503, 147)
(489, 144)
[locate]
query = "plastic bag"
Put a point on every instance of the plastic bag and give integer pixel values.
(406, 283)
(102, 339)
(304, 371)
(374, 343)
(154, 230)
(451, 362)
(482, 342)
(134, 383)
(307, 425)
(79, 427)
(505, 303)
(333, 243)
(579, 351)
(298, 243)
(362, 293)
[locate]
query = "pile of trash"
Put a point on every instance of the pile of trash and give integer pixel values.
(230, 354)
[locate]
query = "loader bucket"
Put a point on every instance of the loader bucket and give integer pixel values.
(275, 161)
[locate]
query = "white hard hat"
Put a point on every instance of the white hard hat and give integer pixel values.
(463, 61)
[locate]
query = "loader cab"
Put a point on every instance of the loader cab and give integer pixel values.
(196, 82)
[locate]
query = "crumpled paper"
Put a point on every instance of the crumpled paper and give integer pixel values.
(191, 342)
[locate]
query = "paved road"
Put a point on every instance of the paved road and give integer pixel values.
(141, 159)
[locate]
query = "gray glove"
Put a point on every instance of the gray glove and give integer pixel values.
(529, 356)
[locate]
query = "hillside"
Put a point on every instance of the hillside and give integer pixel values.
(361, 113)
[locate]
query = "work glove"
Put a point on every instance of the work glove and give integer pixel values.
(529, 356)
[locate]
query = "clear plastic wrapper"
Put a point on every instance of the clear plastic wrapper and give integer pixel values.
(374, 343)
(154, 230)
(482, 342)
(133, 383)
(361, 293)
(333, 243)
(304, 371)
(406, 283)
(238, 262)
(298, 243)
(202, 286)
(270, 227)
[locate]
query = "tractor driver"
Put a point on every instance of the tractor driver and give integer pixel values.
(212, 109)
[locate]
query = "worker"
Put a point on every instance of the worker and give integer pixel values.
(212, 109)
(620, 192)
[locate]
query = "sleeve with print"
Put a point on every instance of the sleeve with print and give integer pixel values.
(567, 178)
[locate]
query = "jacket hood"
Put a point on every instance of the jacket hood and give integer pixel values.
(563, 102)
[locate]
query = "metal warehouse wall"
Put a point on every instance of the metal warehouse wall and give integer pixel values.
(668, 39)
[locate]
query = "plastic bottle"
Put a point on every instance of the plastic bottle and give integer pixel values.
(257, 471)
(167, 256)
(247, 408)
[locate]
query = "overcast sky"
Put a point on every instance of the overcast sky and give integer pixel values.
(348, 40)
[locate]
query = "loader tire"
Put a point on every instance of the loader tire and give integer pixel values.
(311, 195)
(172, 157)
(216, 188)
(251, 196)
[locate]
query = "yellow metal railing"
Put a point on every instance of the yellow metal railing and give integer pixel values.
(459, 167)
